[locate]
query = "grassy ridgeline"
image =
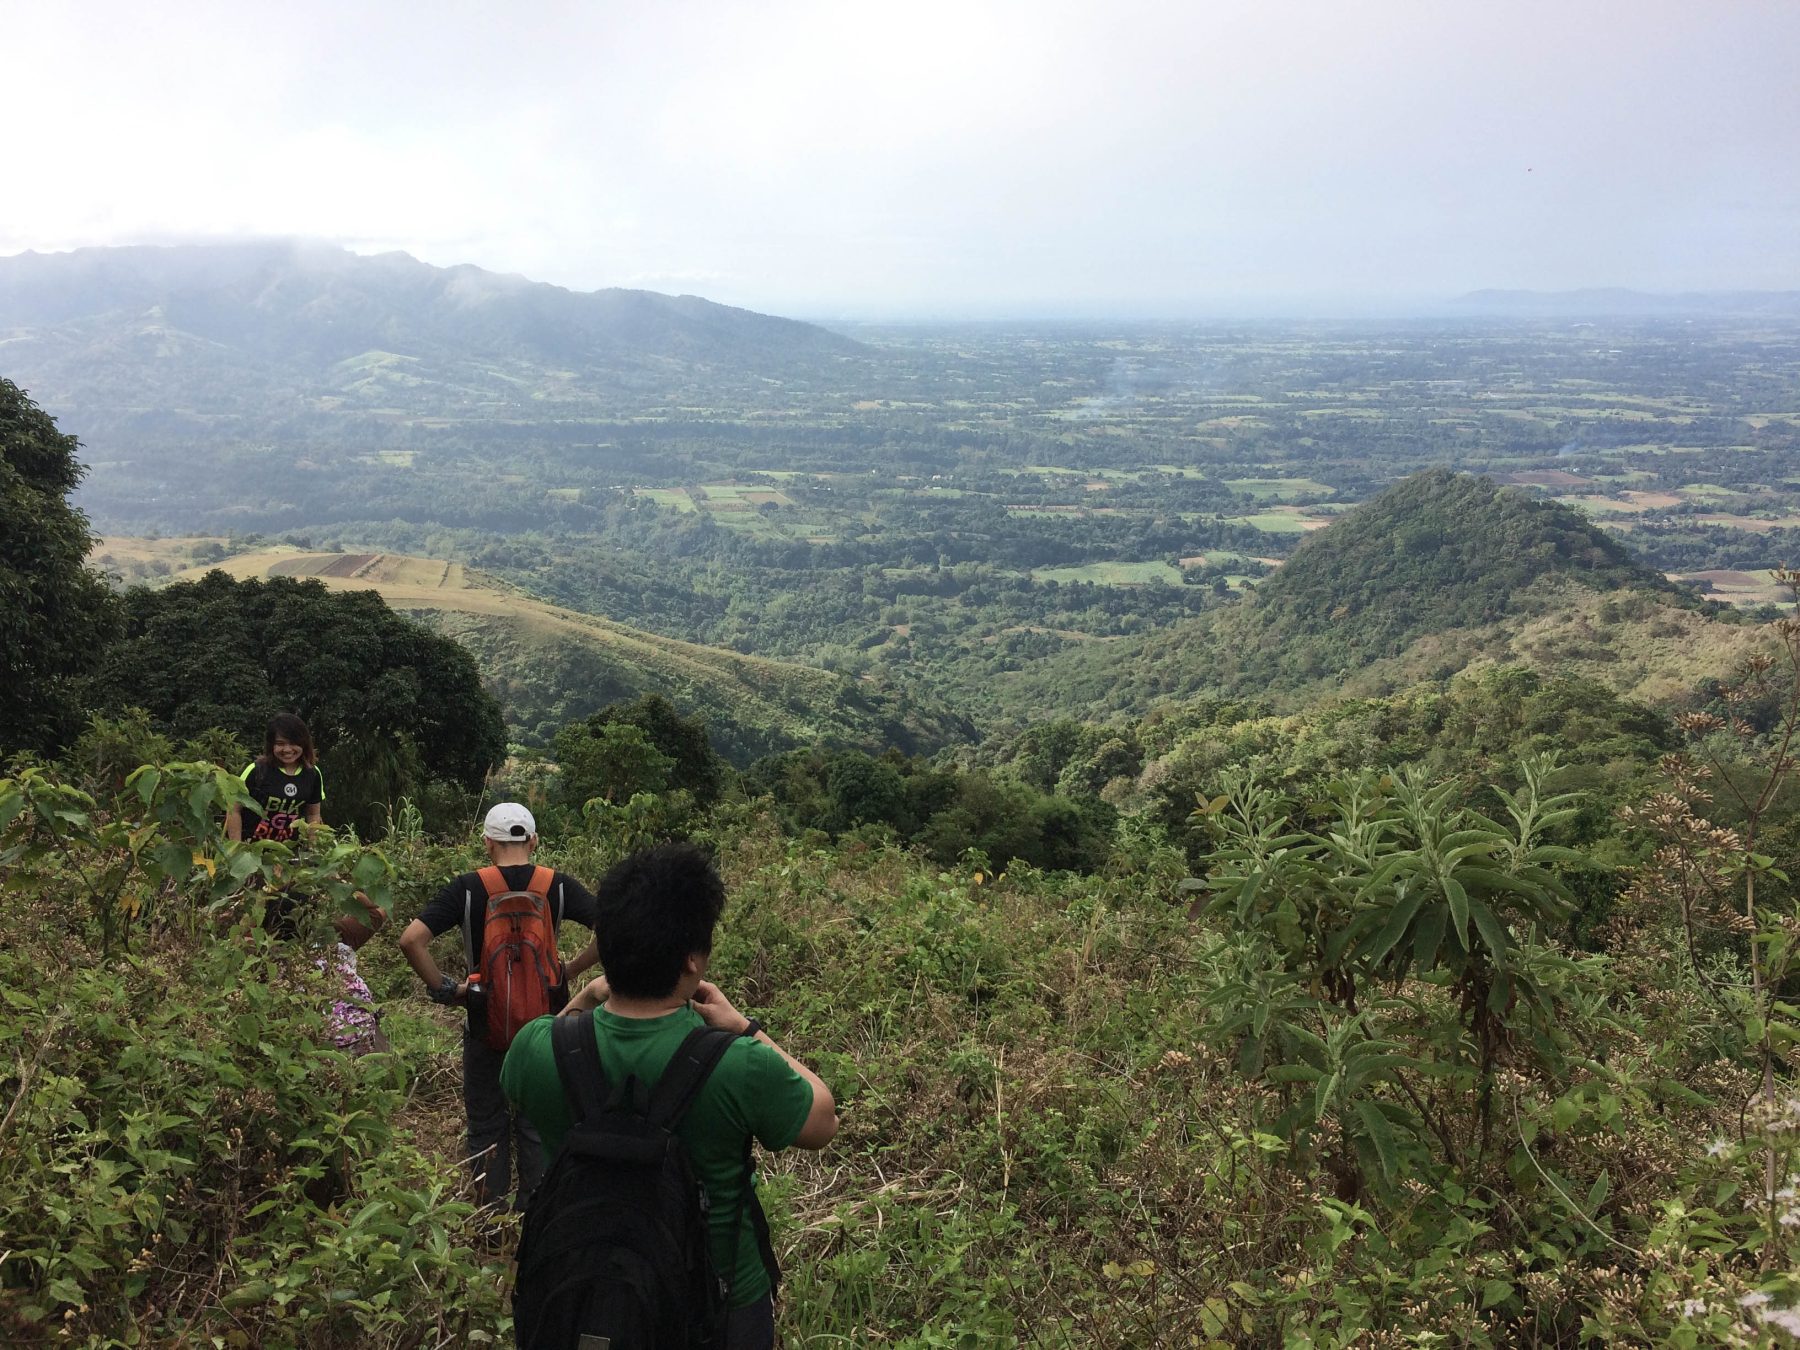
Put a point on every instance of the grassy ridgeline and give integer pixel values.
(1048, 1139)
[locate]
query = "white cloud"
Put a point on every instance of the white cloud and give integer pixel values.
(809, 153)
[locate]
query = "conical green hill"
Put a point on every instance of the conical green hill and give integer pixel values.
(1438, 553)
(1437, 550)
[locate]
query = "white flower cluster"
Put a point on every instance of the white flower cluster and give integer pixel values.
(1786, 1203)
(1757, 1304)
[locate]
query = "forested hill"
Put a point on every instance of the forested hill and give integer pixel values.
(1438, 553)
(99, 325)
(1437, 550)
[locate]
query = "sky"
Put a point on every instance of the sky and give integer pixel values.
(979, 158)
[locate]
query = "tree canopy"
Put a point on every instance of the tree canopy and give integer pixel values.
(389, 702)
(55, 613)
(1437, 550)
(644, 745)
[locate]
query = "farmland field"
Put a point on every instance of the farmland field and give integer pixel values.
(1112, 574)
(1279, 489)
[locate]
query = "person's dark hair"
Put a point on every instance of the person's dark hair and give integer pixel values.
(290, 728)
(656, 907)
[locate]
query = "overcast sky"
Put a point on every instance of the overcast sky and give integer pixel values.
(844, 158)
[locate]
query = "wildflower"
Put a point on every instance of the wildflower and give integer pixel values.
(1718, 1148)
(1753, 1300)
(1787, 1319)
(1693, 1307)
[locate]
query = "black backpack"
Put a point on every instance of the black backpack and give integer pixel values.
(616, 1253)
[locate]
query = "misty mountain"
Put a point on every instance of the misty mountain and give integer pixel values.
(175, 326)
(1619, 302)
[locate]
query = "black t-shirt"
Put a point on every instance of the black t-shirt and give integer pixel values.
(279, 799)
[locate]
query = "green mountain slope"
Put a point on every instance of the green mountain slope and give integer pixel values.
(1441, 570)
(550, 665)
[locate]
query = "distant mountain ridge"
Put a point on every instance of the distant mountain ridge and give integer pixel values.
(1619, 301)
(127, 325)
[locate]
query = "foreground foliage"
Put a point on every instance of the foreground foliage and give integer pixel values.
(1343, 1087)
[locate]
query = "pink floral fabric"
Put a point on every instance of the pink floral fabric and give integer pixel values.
(353, 1020)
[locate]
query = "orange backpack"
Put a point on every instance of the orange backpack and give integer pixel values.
(520, 977)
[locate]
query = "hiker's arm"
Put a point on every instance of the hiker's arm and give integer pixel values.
(579, 906)
(592, 996)
(234, 824)
(585, 959)
(315, 814)
(415, 946)
(822, 1121)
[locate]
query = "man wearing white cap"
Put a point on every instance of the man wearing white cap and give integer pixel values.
(496, 1133)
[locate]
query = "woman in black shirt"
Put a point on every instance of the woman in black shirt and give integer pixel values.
(284, 783)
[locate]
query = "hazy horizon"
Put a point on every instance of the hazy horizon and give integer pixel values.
(983, 161)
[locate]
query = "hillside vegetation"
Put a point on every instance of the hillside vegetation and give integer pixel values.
(1352, 1090)
(1437, 550)
(1409, 962)
(549, 665)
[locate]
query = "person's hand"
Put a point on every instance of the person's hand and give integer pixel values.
(591, 996)
(716, 1010)
(462, 993)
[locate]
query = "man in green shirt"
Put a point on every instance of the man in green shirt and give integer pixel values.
(654, 925)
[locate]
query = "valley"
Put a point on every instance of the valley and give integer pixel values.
(934, 511)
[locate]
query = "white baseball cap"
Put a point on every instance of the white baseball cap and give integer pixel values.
(509, 823)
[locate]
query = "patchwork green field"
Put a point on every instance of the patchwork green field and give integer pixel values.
(1112, 574)
(1279, 489)
(1285, 520)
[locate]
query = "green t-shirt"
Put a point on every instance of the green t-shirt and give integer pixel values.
(753, 1091)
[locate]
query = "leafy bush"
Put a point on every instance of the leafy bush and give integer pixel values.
(185, 1156)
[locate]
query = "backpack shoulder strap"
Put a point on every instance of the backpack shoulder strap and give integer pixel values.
(686, 1074)
(493, 880)
(539, 885)
(578, 1065)
(759, 1225)
(469, 930)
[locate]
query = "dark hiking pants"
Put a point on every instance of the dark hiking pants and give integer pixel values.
(751, 1327)
(498, 1136)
